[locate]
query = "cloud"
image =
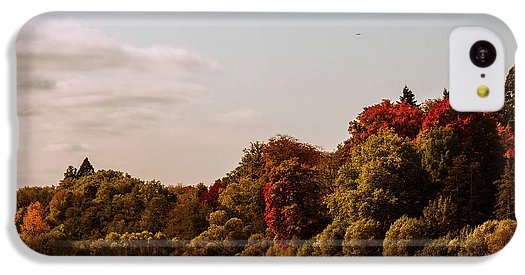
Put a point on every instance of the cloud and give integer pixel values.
(71, 74)
(242, 116)
(68, 147)
(66, 44)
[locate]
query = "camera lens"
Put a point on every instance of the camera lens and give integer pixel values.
(483, 54)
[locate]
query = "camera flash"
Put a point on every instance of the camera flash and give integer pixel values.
(483, 91)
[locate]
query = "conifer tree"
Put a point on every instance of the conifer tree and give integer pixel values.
(408, 97)
(504, 208)
(85, 169)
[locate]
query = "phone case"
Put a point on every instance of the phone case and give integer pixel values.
(256, 134)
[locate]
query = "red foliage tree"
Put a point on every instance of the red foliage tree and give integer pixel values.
(404, 118)
(213, 193)
(293, 201)
(283, 147)
(210, 195)
(293, 192)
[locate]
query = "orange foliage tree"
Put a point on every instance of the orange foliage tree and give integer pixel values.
(34, 223)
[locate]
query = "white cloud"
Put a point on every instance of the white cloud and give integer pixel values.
(71, 75)
(243, 116)
(68, 147)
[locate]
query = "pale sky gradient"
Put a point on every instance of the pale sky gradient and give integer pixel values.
(177, 101)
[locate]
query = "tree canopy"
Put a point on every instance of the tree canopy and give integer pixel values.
(410, 179)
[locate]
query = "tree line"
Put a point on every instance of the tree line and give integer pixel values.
(411, 179)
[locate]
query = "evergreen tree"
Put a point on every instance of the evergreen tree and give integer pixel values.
(408, 97)
(86, 169)
(469, 191)
(504, 208)
(507, 112)
(445, 93)
(71, 172)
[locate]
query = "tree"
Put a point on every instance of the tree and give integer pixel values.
(222, 238)
(33, 222)
(293, 201)
(257, 245)
(156, 200)
(504, 207)
(188, 217)
(292, 193)
(51, 242)
(477, 133)
(438, 147)
(383, 182)
(363, 238)
(212, 195)
(391, 163)
(405, 237)
(411, 236)
(71, 172)
(251, 166)
(446, 245)
(408, 97)
(403, 118)
(467, 188)
(329, 242)
(143, 243)
(86, 169)
(446, 93)
(507, 112)
(440, 217)
(488, 238)
(282, 147)
(27, 195)
(245, 200)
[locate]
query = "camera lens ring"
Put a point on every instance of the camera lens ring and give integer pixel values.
(483, 54)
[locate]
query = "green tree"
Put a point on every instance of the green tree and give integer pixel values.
(220, 239)
(405, 237)
(446, 93)
(143, 243)
(507, 112)
(468, 190)
(442, 246)
(71, 172)
(440, 217)
(329, 241)
(188, 218)
(363, 238)
(488, 238)
(390, 163)
(52, 242)
(408, 97)
(257, 245)
(86, 169)
(427, 235)
(245, 200)
(438, 147)
(383, 182)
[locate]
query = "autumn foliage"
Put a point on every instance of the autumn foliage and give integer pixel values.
(33, 223)
(405, 119)
(411, 179)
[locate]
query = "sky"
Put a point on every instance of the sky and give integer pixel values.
(178, 100)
